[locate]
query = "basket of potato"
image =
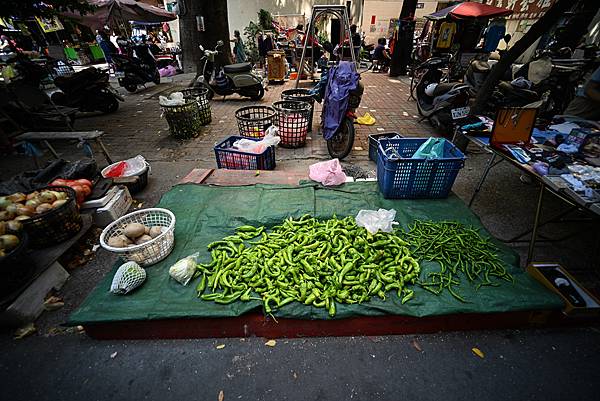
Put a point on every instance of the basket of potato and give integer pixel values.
(145, 236)
(49, 216)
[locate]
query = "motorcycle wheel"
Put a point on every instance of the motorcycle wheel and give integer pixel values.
(131, 88)
(340, 145)
(156, 78)
(255, 93)
(108, 104)
(59, 98)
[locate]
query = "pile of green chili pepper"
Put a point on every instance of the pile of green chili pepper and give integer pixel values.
(457, 248)
(315, 262)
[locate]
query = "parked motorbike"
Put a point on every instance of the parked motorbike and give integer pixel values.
(87, 90)
(433, 67)
(132, 72)
(441, 103)
(234, 78)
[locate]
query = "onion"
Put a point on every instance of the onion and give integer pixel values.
(3, 227)
(5, 215)
(61, 195)
(4, 201)
(59, 203)
(12, 208)
(25, 210)
(14, 226)
(43, 208)
(47, 197)
(8, 242)
(32, 195)
(33, 202)
(22, 217)
(17, 197)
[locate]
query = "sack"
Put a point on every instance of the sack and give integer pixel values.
(174, 99)
(249, 146)
(433, 148)
(327, 173)
(374, 221)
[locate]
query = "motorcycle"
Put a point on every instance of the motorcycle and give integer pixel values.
(87, 90)
(132, 72)
(441, 103)
(234, 78)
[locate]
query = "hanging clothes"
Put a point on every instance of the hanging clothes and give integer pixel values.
(343, 78)
(494, 32)
(447, 31)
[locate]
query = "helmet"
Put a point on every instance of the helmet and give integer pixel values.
(429, 89)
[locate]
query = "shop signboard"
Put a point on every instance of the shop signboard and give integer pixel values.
(51, 24)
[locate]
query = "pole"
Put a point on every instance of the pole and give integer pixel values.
(404, 45)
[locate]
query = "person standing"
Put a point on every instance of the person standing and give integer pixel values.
(586, 103)
(238, 47)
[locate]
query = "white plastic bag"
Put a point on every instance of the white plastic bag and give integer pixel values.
(184, 269)
(174, 99)
(270, 139)
(374, 221)
(327, 173)
(128, 277)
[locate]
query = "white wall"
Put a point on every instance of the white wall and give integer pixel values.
(384, 10)
(243, 11)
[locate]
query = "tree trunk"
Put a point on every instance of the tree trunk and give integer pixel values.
(216, 27)
(541, 26)
(404, 44)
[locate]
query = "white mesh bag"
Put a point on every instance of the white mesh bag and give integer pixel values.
(128, 277)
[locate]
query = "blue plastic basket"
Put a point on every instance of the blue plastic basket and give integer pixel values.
(374, 142)
(416, 178)
(233, 159)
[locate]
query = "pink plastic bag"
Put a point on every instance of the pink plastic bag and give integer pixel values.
(327, 173)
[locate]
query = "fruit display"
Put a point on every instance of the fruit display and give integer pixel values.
(134, 234)
(18, 207)
(82, 187)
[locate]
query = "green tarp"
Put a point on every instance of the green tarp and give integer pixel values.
(205, 214)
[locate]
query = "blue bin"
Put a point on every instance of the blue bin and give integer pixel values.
(407, 178)
(233, 159)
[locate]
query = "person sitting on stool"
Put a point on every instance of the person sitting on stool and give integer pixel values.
(381, 55)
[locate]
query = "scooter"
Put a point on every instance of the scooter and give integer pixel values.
(87, 90)
(441, 103)
(234, 78)
(132, 72)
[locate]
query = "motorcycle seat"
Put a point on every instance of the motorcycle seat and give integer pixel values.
(237, 68)
(440, 89)
(480, 66)
(507, 87)
(84, 76)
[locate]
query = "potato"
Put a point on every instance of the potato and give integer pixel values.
(47, 197)
(144, 238)
(117, 242)
(134, 230)
(58, 203)
(147, 230)
(155, 231)
(23, 210)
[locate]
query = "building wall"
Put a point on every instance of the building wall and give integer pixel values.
(385, 10)
(241, 12)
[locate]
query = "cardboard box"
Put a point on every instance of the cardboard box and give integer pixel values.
(115, 208)
(578, 300)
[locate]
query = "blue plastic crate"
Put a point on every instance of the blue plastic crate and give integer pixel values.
(374, 142)
(416, 178)
(233, 159)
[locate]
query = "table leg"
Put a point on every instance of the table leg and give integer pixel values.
(488, 167)
(104, 151)
(536, 223)
(51, 149)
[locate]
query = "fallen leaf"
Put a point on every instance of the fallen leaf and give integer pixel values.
(25, 331)
(416, 345)
(220, 346)
(53, 303)
(271, 343)
(221, 396)
(477, 352)
(113, 355)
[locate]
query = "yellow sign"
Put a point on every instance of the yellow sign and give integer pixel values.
(49, 24)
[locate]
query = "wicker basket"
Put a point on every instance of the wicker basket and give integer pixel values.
(184, 121)
(200, 96)
(152, 251)
(292, 122)
(56, 225)
(16, 267)
(253, 121)
(302, 95)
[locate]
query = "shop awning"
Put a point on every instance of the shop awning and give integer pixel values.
(470, 10)
(125, 10)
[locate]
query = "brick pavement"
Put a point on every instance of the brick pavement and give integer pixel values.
(137, 127)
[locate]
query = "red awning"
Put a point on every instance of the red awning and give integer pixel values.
(470, 10)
